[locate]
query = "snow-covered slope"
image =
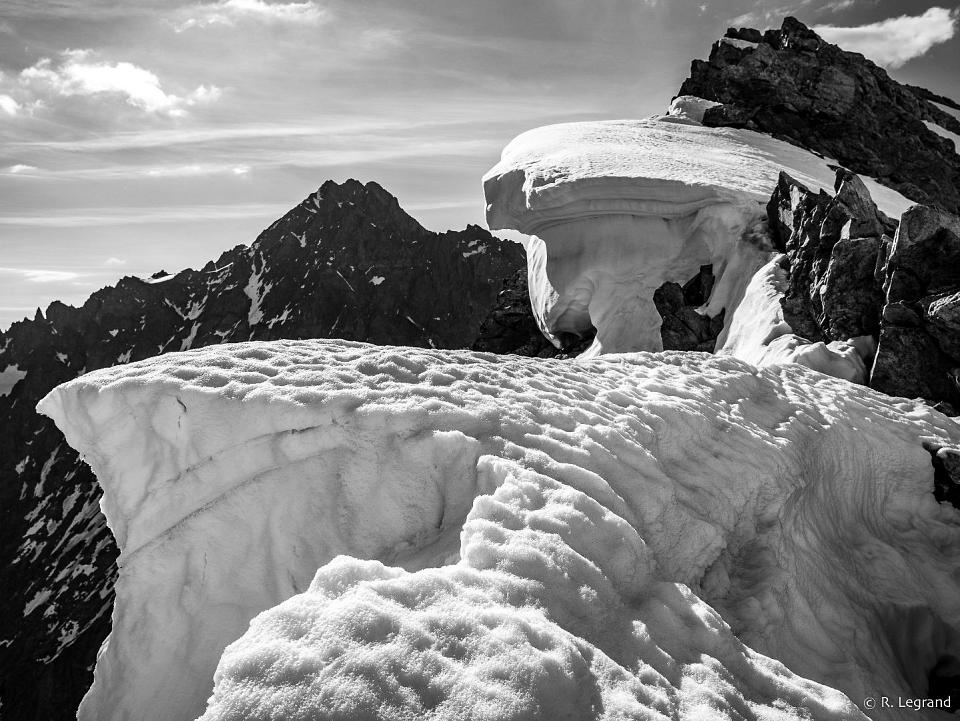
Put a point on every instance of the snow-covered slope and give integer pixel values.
(589, 521)
(617, 208)
(758, 333)
(943, 133)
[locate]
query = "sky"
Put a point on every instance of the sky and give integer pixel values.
(139, 135)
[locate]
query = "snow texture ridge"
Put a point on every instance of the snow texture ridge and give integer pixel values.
(617, 208)
(530, 538)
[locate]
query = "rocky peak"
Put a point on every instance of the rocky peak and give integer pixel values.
(792, 84)
(793, 34)
(350, 205)
(370, 197)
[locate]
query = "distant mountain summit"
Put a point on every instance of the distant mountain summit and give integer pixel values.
(347, 262)
(792, 84)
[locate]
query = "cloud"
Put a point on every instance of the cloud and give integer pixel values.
(150, 215)
(230, 12)
(838, 5)
(8, 105)
(358, 149)
(38, 275)
(166, 138)
(765, 17)
(78, 74)
(132, 172)
(114, 262)
(448, 118)
(86, 9)
(895, 41)
(192, 171)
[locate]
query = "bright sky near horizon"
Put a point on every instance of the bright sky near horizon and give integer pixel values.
(138, 135)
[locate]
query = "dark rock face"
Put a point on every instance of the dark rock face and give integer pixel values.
(795, 86)
(832, 244)
(920, 336)
(942, 314)
(347, 262)
(511, 327)
(682, 327)
(852, 273)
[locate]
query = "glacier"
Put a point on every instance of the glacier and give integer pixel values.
(637, 535)
(614, 209)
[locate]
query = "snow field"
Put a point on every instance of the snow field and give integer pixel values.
(591, 533)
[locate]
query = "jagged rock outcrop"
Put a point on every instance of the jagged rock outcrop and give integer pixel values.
(832, 245)
(919, 349)
(854, 273)
(792, 84)
(682, 327)
(347, 262)
(510, 327)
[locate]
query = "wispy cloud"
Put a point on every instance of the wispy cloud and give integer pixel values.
(86, 9)
(129, 172)
(837, 5)
(370, 149)
(410, 119)
(40, 275)
(78, 73)
(231, 12)
(114, 262)
(895, 41)
(165, 137)
(191, 171)
(765, 16)
(93, 217)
